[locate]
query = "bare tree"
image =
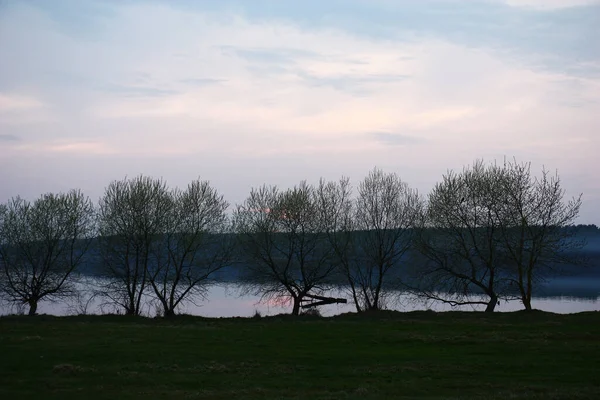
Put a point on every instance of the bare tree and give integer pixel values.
(493, 229)
(41, 245)
(282, 236)
(385, 211)
(133, 218)
(337, 212)
(196, 244)
(537, 230)
(459, 239)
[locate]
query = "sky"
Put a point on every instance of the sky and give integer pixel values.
(244, 93)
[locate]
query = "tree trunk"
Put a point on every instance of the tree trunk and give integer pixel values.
(525, 295)
(357, 304)
(296, 309)
(527, 298)
(167, 309)
(33, 304)
(367, 305)
(526, 303)
(491, 306)
(355, 297)
(374, 306)
(169, 312)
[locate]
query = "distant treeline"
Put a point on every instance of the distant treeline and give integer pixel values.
(488, 233)
(92, 263)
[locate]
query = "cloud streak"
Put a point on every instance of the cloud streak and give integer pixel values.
(9, 138)
(395, 139)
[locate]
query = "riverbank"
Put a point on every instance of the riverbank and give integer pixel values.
(387, 355)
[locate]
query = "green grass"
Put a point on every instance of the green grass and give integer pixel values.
(383, 356)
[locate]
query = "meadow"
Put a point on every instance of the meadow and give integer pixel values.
(383, 355)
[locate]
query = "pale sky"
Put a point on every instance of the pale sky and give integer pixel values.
(272, 91)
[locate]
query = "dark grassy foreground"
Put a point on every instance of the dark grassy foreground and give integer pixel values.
(390, 355)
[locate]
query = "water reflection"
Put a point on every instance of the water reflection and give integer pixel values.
(224, 300)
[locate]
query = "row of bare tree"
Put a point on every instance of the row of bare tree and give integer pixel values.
(487, 233)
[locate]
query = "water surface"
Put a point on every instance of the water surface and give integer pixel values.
(225, 300)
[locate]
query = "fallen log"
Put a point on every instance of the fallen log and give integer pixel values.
(322, 300)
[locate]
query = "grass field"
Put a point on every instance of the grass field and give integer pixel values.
(382, 356)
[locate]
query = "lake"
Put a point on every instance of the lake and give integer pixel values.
(565, 295)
